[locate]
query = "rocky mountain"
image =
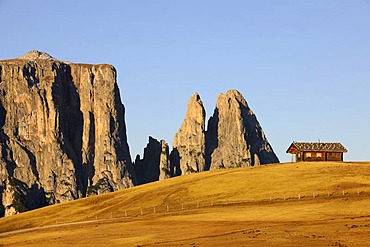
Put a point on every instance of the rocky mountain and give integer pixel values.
(62, 132)
(188, 154)
(234, 137)
(63, 135)
(155, 163)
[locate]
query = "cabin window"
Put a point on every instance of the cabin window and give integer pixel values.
(308, 155)
(318, 155)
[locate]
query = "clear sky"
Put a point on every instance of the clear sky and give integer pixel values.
(303, 66)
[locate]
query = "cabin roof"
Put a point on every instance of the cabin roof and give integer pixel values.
(316, 146)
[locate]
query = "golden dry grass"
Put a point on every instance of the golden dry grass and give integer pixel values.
(293, 204)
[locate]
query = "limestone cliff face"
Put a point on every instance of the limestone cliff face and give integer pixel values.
(155, 164)
(234, 137)
(189, 142)
(62, 132)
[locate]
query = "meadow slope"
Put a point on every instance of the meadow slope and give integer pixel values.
(291, 204)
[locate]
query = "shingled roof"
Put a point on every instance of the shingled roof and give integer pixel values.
(318, 146)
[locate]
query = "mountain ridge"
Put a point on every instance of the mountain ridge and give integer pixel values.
(63, 135)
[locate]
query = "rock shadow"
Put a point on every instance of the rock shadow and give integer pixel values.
(2, 209)
(120, 136)
(89, 169)
(69, 120)
(27, 198)
(29, 73)
(211, 138)
(6, 152)
(256, 139)
(175, 163)
(147, 169)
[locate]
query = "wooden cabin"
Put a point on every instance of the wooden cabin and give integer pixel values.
(316, 151)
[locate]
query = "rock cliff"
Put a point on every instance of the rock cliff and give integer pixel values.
(63, 135)
(155, 163)
(62, 132)
(234, 137)
(189, 142)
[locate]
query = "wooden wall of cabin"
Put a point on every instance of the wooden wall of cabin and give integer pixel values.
(299, 157)
(314, 156)
(318, 156)
(334, 156)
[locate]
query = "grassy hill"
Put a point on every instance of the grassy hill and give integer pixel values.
(322, 204)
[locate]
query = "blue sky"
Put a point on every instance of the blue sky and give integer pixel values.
(303, 66)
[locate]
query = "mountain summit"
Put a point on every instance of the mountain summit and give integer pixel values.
(35, 54)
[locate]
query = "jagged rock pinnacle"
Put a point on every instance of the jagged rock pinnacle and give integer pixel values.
(155, 165)
(189, 141)
(234, 137)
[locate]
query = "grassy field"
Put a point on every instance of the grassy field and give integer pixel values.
(292, 204)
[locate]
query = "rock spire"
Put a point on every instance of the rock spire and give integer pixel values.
(155, 164)
(189, 142)
(164, 161)
(234, 137)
